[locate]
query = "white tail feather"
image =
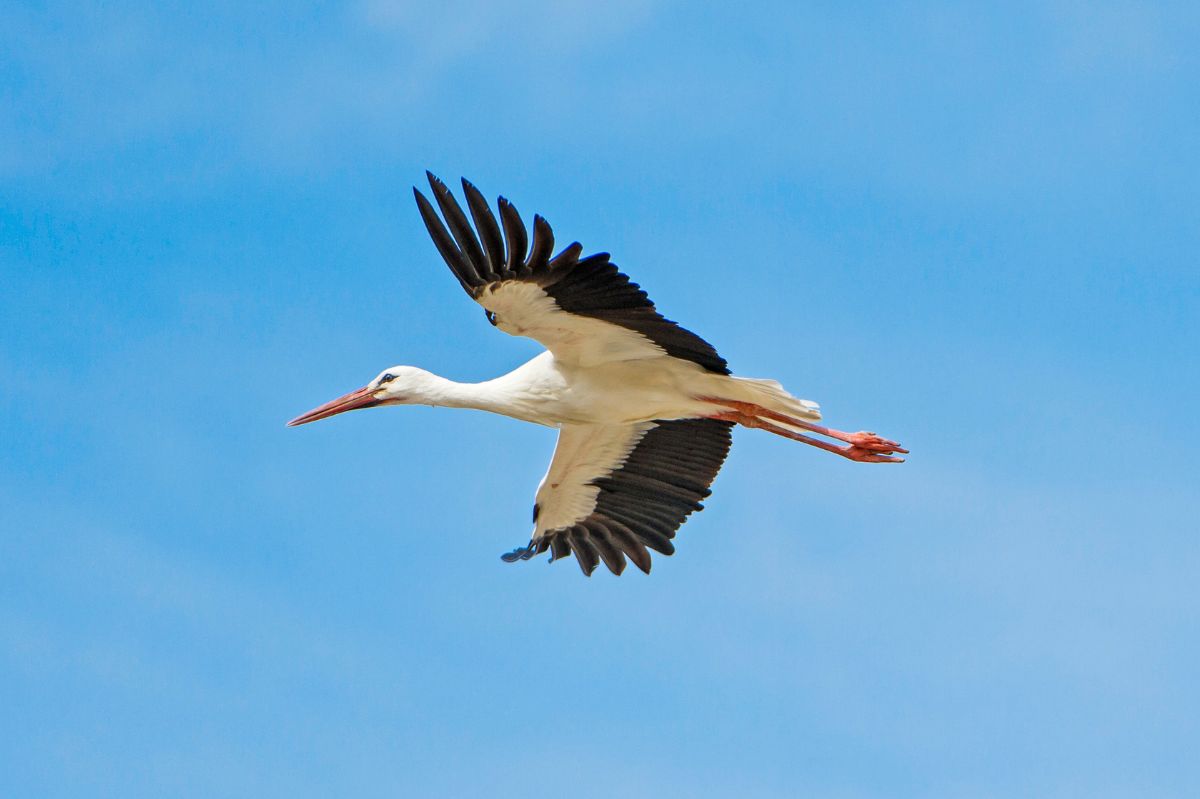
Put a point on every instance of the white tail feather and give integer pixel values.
(772, 395)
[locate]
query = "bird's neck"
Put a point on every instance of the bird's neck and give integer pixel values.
(440, 392)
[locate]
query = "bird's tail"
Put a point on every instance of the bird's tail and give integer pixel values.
(770, 394)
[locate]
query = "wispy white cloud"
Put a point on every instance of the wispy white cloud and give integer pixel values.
(800, 93)
(106, 85)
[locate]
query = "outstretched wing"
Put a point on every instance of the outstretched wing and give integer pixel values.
(615, 491)
(582, 309)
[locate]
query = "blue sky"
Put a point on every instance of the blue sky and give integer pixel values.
(972, 229)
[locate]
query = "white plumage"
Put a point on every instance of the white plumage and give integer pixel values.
(644, 407)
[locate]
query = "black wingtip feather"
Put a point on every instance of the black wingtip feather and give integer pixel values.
(460, 228)
(444, 243)
(514, 235)
(585, 552)
(489, 230)
(568, 258)
(610, 553)
(543, 244)
(559, 547)
(627, 540)
(520, 553)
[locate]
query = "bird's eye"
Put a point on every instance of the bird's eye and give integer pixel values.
(387, 378)
(491, 317)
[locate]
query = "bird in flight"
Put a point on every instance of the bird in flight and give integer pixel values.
(644, 408)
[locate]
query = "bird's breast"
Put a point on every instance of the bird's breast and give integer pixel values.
(627, 392)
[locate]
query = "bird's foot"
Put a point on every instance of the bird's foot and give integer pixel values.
(867, 447)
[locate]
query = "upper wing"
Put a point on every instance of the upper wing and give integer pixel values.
(582, 309)
(614, 490)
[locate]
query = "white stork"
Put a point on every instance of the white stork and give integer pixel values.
(644, 408)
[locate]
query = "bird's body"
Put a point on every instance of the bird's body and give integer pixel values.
(551, 392)
(644, 407)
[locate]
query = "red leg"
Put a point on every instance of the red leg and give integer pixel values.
(864, 447)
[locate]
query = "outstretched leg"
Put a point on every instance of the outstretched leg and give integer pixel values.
(863, 446)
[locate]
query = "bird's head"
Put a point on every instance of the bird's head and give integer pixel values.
(399, 385)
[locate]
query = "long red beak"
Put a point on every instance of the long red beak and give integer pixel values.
(359, 398)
